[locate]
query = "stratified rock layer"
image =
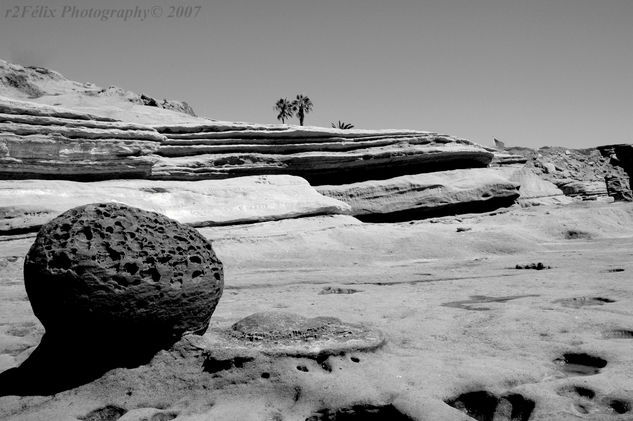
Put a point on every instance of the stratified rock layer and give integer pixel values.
(323, 156)
(434, 193)
(122, 274)
(27, 204)
(50, 142)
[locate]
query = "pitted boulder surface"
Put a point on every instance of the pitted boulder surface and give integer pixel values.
(116, 270)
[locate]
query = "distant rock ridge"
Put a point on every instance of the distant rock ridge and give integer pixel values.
(31, 82)
(321, 155)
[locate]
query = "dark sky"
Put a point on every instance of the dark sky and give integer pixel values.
(529, 72)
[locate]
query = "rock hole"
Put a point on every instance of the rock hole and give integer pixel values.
(485, 406)
(577, 302)
(322, 360)
(360, 413)
(114, 255)
(109, 230)
(265, 375)
(87, 232)
(196, 273)
(131, 268)
(355, 359)
(163, 416)
(195, 259)
(615, 270)
(61, 261)
(217, 276)
(618, 334)
(580, 364)
(213, 365)
(337, 290)
(620, 406)
(302, 368)
(107, 413)
(577, 235)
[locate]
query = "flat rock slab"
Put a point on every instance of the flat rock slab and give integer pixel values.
(468, 188)
(25, 205)
(276, 333)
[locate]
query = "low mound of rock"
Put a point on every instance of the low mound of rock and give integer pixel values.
(276, 333)
(420, 195)
(39, 141)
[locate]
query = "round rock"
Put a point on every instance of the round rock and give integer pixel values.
(117, 271)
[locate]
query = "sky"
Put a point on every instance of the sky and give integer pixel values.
(528, 72)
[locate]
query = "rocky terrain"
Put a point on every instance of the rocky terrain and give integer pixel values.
(368, 274)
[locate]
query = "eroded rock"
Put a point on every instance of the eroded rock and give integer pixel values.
(122, 271)
(112, 285)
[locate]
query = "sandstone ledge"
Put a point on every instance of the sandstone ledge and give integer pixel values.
(27, 204)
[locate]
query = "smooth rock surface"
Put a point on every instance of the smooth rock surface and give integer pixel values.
(122, 272)
(534, 190)
(432, 193)
(27, 204)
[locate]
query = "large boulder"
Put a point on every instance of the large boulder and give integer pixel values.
(122, 272)
(413, 196)
(27, 204)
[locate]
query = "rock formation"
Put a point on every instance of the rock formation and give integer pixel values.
(50, 142)
(411, 196)
(589, 174)
(27, 204)
(322, 156)
(47, 86)
(122, 271)
(534, 190)
(112, 285)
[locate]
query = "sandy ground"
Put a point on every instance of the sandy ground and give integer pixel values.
(458, 317)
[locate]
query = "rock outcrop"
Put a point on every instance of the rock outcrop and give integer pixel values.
(25, 205)
(420, 195)
(589, 174)
(322, 156)
(50, 142)
(49, 87)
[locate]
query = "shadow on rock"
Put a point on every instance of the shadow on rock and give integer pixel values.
(62, 363)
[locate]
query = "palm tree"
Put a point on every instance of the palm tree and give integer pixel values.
(343, 125)
(303, 105)
(286, 109)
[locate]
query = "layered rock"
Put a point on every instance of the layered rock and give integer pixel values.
(323, 156)
(583, 173)
(50, 142)
(411, 196)
(27, 204)
(534, 190)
